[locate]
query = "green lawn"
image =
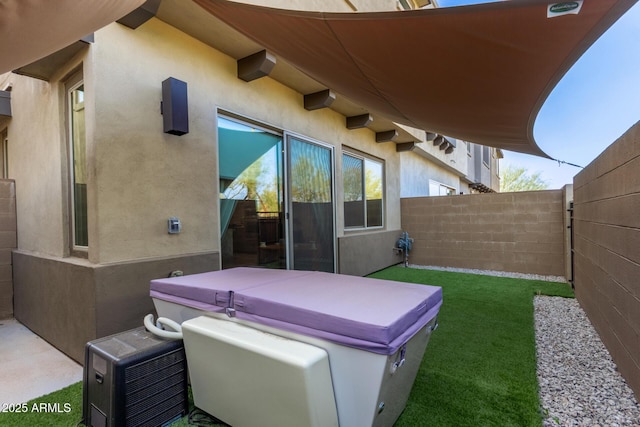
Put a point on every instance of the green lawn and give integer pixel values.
(479, 368)
(37, 412)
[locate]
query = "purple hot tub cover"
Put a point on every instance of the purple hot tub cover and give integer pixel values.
(370, 314)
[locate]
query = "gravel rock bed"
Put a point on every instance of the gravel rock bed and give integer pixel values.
(579, 382)
(493, 273)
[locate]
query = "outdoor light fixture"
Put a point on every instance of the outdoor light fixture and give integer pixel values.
(174, 107)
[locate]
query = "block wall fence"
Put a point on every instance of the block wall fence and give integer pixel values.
(607, 250)
(523, 232)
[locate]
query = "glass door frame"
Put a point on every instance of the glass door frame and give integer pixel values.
(244, 121)
(289, 202)
(286, 180)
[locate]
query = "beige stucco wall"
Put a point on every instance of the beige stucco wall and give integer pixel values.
(138, 176)
(143, 176)
(37, 159)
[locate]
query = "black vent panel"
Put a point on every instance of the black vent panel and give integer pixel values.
(147, 386)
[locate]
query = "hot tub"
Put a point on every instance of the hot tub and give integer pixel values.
(374, 332)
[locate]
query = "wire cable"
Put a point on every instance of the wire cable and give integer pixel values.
(562, 162)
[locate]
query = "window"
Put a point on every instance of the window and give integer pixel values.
(251, 194)
(438, 189)
(468, 149)
(485, 155)
(363, 191)
(277, 205)
(77, 161)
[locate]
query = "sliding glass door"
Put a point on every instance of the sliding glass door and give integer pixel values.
(311, 205)
(263, 222)
(251, 195)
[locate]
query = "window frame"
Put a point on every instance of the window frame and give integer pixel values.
(71, 85)
(486, 160)
(433, 183)
(364, 158)
(4, 141)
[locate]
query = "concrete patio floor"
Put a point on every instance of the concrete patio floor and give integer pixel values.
(30, 367)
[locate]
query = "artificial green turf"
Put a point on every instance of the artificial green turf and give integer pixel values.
(479, 368)
(480, 365)
(60, 408)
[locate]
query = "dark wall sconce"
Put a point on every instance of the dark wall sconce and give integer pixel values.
(174, 107)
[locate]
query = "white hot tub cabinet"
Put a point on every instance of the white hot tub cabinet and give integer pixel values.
(373, 333)
(249, 377)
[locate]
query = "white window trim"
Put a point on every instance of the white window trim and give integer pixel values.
(440, 185)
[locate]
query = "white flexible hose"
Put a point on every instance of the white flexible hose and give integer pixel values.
(176, 334)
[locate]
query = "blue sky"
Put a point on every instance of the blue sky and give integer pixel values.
(593, 105)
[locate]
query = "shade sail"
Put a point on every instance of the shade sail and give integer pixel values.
(32, 29)
(478, 73)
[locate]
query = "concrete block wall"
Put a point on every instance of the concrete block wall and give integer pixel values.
(607, 250)
(8, 242)
(520, 232)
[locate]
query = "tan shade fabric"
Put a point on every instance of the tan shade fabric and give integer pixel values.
(479, 73)
(32, 29)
